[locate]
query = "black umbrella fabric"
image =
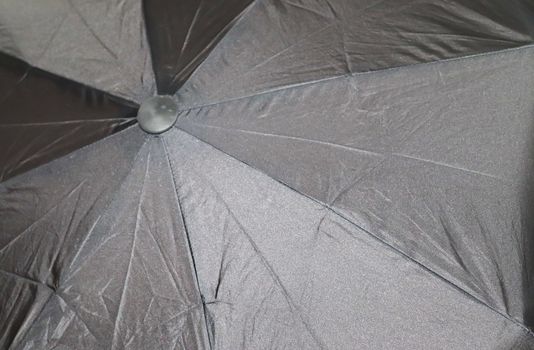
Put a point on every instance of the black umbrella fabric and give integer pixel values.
(266, 174)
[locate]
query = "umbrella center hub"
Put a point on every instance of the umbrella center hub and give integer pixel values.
(157, 114)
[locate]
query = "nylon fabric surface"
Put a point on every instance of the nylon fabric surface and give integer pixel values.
(291, 42)
(432, 158)
(343, 174)
(45, 116)
(182, 33)
(98, 262)
(101, 44)
(275, 268)
(279, 270)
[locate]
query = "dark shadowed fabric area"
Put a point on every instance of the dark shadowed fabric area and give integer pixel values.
(182, 34)
(45, 116)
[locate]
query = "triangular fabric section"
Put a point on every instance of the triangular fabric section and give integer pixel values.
(182, 34)
(290, 42)
(101, 44)
(433, 159)
(108, 264)
(276, 266)
(45, 116)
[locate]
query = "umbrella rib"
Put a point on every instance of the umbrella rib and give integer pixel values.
(382, 241)
(356, 74)
(132, 252)
(122, 100)
(276, 279)
(70, 273)
(292, 138)
(98, 101)
(67, 122)
(450, 166)
(51, 289)
(188, 240)
(352, 149)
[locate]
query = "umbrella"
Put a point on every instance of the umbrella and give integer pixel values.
(268, 174)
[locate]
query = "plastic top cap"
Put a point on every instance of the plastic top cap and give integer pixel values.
(157, 114)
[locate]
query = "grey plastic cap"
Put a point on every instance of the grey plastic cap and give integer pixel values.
(157, 114)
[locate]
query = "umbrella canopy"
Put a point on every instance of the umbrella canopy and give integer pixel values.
(268, 174)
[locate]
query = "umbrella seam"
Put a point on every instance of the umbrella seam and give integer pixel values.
(52, 290)
(352, 148)
(113, 197)
(67, 122)
(189, 69)
(133, 248)
(356, 74)
(73, 151)
(384, 242)
(276, 279)
(126, 101)
(186, 233)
